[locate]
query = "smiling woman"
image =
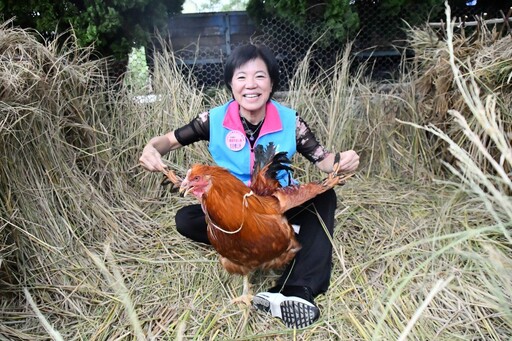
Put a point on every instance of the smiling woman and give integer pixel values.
(237, 132)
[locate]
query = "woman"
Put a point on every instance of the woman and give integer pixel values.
(233, 129)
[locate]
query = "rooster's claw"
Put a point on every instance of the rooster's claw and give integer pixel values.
(334, 178)
(171, 178)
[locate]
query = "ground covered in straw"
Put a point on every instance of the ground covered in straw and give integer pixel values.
(88, 248)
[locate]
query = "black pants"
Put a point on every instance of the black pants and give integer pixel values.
(312, 264)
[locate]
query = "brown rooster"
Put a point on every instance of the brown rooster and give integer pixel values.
(246, 225)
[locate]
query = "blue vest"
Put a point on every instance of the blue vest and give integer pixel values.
(230, 147)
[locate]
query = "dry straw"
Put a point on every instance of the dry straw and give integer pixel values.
(88, 246)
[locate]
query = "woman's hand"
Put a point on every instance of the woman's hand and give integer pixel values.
(151, 159)
(348, 161)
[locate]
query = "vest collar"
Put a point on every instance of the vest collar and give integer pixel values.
(272, 122)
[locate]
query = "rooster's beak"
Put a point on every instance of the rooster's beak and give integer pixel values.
(185, 187)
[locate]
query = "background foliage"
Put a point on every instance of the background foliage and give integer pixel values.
(114, 27)
(341, 19)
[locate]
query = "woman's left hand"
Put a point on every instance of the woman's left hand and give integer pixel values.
(348, 161)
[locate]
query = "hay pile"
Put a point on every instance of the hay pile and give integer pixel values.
(87, 240)
(484, 53)
(64, 196)
(78, 250)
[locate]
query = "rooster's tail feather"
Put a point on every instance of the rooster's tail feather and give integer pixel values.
(263, 156)
(267, 166)
(267, 160)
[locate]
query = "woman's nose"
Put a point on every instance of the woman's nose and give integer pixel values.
(251, 83)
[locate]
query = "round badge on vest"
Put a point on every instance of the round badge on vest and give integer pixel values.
(235, 140)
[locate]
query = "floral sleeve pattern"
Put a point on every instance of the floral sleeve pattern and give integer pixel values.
(307, 144)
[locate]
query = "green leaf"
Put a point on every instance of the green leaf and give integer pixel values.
(112, 26)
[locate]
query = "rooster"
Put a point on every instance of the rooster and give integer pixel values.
(246, 224)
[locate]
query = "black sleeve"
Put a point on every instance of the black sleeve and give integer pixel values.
(307, 144)
(197, 130)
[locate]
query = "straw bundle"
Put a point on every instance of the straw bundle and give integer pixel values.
(60, 194)
(483, 53)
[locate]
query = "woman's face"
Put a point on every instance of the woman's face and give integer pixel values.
(251, 86)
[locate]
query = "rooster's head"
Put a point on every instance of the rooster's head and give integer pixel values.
(197, 181)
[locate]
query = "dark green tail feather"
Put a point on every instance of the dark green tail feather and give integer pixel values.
(264, 156)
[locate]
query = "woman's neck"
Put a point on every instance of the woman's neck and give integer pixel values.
(253, 117)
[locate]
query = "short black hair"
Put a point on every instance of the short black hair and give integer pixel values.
(244, 53)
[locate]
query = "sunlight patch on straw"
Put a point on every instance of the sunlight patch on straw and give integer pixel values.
(440, 285)
(117, 283)
(53, 333)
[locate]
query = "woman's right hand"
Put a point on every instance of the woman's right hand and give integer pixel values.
(151, 159)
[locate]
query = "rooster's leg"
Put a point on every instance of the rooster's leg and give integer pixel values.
(246, 295)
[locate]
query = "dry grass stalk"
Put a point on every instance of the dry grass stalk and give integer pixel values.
(490, 189)
(53, 333)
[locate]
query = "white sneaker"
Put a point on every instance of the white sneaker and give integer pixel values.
(295, 312)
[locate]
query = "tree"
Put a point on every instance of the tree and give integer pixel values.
(338, 19)
(341, 19)
(113, 26)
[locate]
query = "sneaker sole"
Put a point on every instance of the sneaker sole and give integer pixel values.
(298, 315)
(295, 313)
